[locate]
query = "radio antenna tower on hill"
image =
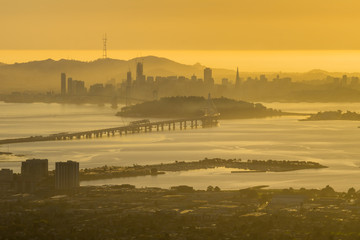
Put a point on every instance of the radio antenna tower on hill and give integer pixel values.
(104, 46)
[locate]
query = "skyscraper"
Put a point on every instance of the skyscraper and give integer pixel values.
(139, 69)
(128, 88)
(63, 84)
(237, 81)
(70, 86)
(34, 169)
(33, 172)
(140, 78)
(208, 79)
(66, 175)
(128, 79)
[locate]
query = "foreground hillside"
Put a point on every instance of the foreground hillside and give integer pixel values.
(125, 212)
(181, 107)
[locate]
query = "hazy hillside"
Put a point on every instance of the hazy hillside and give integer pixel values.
(45, 75)
(188, 107)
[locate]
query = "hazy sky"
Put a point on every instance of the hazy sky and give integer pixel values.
(180, 24)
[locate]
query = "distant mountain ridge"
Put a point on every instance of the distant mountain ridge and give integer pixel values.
(44, 75)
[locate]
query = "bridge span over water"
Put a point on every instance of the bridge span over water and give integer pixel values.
(133, 128)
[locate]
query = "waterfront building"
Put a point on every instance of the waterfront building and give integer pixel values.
(128, 88)
(69, 87)
(34, 169)
(78, 87)
(128, 79)
(263, 78)
(63, 84)
(193, 78)
(6, 175)
(354, 81)
(150, 80)
(344, 80)
(282, 81)
(225, 82)
(96, 89)
(6, 179)
(33, 172)
(67, 175)
(140, 78)
(208, 79)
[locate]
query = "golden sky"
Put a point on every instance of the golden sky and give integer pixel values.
(181, 24)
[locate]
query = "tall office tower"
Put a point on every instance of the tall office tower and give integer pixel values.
(237, 81)
(66, 175)
(139, 69)
(128, 78)
(208, 79)
(63, 84)
(140, 78)
(70, 86)
(128, 89)
(34, 169)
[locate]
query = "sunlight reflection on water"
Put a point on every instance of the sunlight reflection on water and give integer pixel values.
(332, 143)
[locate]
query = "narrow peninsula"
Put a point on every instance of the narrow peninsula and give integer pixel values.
(333, 115)
(107, 172)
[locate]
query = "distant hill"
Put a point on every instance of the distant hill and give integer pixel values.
(45, 75)
(182, 107)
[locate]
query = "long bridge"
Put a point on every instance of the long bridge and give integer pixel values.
(142, 126)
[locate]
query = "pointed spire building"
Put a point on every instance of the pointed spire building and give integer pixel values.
(237, 82)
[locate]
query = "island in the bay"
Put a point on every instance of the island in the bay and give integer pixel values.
(333, 115)
(248, 166)
(193, 106)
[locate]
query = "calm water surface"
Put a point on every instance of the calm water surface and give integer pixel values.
(332, 143)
